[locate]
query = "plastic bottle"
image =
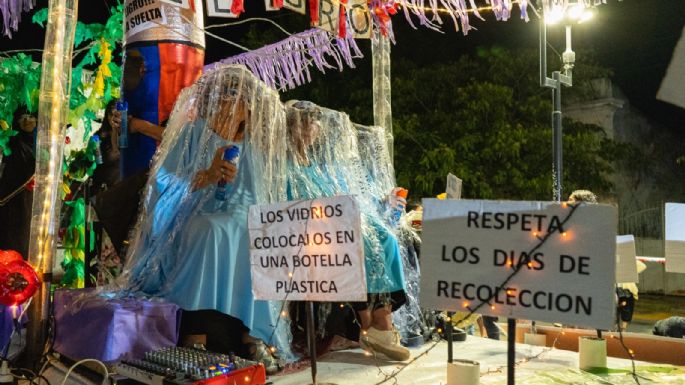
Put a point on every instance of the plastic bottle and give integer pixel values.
(98, 149)
(399, 208)
(122, 107)
(231, 155)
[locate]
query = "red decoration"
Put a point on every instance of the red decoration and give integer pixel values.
(278, 3)
(31, 185)
(314, 12)
(67, 140)
(237, 7)
(18, 280)
(342, 21)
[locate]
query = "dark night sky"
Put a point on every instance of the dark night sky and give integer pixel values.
(635, 38)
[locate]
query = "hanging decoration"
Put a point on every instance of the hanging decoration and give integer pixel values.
(11, 11)
(18, 280)
(286, 64)
(74, 245)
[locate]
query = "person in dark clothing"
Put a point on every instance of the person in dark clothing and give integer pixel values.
(107, 173)
(16, 174)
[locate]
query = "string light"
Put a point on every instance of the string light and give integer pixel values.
(465, 304)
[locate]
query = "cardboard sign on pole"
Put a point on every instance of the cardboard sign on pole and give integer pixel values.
(471, 248)
(675, 237)
(308, 250)
(626, 264)
(453, 189)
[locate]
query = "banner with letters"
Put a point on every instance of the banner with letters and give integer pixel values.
(531, 260)
(180, 3)
(308, 250)
(220, 8)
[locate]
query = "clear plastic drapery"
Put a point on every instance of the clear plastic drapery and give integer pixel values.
(324, 160)
(188, 246)
(379, 181)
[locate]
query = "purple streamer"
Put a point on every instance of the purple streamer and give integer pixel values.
(11, 11)
(285, 65)
(459, 11)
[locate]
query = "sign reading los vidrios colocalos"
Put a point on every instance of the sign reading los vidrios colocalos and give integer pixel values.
(470, 248)
(307, 250)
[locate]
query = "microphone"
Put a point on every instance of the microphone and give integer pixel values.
(231, 155)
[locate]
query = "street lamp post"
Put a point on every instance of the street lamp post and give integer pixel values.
(572, 12)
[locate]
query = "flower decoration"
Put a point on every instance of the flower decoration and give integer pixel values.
(18, 280)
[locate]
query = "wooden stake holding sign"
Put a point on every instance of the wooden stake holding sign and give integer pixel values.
(531, 260)
(308, 251)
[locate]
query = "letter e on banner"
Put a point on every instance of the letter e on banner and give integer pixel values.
(329, 14)
(179, 3)
(298, 6)
(220, 8)
(359, 19)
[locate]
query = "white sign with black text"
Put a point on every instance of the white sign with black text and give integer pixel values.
(626, 263)
(308, 250)
(563, 256)
(674, 250)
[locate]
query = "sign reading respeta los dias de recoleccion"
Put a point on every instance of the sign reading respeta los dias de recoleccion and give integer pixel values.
(563, 256)
(308, 250)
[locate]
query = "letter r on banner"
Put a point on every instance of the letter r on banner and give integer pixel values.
(220, 8)
(328, 16)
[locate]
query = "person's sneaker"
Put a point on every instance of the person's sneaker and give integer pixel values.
(386, 342)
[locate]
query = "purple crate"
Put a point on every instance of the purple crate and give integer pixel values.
(91, 326)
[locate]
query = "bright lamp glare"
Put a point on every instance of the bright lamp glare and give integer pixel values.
(587, 15)
(555, 15)
(575, 12)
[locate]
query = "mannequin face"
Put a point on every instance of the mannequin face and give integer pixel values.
(230, 117)
(303, 131)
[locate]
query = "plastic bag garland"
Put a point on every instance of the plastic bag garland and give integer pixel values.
(189, 247)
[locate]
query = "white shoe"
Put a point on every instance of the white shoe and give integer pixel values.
(386, 342)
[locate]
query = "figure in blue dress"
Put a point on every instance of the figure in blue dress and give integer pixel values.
(323, 160)
(191, 248)
(380, 179)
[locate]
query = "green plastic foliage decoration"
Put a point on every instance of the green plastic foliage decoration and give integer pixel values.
(74, 246)
(19, 84)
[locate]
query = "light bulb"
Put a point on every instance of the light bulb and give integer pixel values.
(575, 11)
(587, 15)
(555, 15)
